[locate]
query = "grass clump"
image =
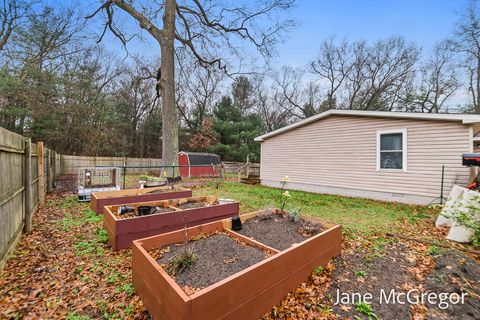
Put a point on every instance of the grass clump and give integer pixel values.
(361, 274)
(366, 309)
(91, 216)
(115, 277)
(68, 222)
(180, 263)
(127, 288)
(433, 250)
(74, 316)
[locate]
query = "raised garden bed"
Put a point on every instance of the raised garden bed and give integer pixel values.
(101, 199)
(216, 286)
(265, 227)
(140, 220)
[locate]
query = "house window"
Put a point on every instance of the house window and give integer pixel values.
(392, 149)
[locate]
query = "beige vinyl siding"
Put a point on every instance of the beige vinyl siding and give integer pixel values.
(341, 151)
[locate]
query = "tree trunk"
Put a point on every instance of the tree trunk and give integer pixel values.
(167, 84)
(477, 89)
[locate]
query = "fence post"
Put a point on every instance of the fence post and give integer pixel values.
(27, 181)
(49, 170)
(41, 178)
(124, 173)
(54, 169)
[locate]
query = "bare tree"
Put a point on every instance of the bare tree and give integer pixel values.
(438, 80)
(204, 28)
(390, 64)
(366, 77)
(333, 64)
(265, 105)
(299, 98)
(47, 37)
(467, 44)
(11, 13)
(136, 97)
(197, 88)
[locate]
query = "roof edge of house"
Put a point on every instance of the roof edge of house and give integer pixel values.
(464, 118)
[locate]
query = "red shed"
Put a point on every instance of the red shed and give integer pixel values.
(199, 164)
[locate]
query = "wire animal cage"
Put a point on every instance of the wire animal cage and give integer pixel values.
(95, 179)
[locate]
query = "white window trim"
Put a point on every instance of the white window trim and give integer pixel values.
(404, 149)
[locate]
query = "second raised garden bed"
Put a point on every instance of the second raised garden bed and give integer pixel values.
(125, 223)
(233, 276)
(108, 198)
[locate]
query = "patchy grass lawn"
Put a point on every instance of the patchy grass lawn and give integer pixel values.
(65, 269)
(355, 214)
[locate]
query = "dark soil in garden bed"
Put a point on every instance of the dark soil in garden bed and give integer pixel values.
(160, 191)
(455, 272)
(135, 213)
(192, 205)
(278, 232)
(218, 257)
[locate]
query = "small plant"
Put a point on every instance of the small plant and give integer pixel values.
(366, 309)
(88, 247)
(180, 263)
(128, 311)
(115, 277)
(324, 308)
(127, 288)
(186, 259)
(433, 250)
(318, 270)
(102, 236)
(283, 182)
(294, 215)
(285, 196)
(92, 216)
(68, 223)
(74, 316)
(361, 274)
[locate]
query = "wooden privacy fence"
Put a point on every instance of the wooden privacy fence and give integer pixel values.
(233, 167)
(27, 172)
(70, 164)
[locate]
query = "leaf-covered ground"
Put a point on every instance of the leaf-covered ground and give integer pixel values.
(65, 268)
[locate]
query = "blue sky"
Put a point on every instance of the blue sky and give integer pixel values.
(422, 21)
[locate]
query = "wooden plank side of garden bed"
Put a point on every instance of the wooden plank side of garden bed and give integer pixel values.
(265, 300)
(129, 229)
(98, 204)
(162, 296)
(245, 295)
(111, 235)
(172, 237)
(236, 290)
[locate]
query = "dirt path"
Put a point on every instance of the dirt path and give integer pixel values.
(374, 263)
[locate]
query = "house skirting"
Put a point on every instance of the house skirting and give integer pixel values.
(357, 193)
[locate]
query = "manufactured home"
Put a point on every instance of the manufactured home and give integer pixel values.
(393, 156)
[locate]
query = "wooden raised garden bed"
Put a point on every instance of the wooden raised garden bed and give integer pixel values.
(156, 217)
(108, 198)
(245, 294)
